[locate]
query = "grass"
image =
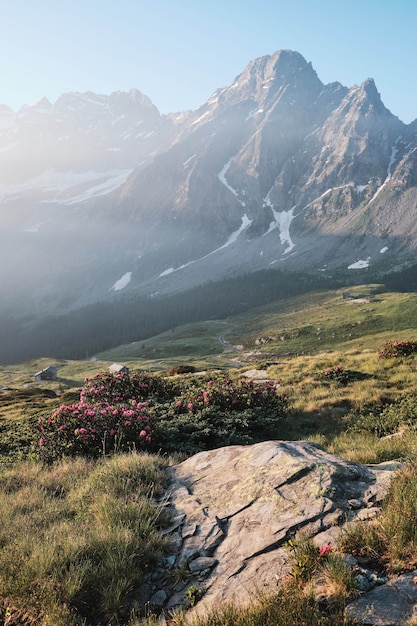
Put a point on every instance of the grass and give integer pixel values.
(85, 533)
(391, 539)
(83, 536)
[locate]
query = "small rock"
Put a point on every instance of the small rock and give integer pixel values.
(202, 563)
(350, 560)
(355, 503)
(159, 598)
(391, 604)
(362, 583)
(370, 513)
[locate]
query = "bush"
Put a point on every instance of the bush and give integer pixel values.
(392, 349)
(336, 374)
(123, 387)
(94, 429)
(181, 369)
(121, 413)
(388, 419)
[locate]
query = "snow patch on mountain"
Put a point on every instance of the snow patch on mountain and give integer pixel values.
(60, 183)
(115, 180)
(222, 178)
(282, 221)
(188, 161)
(34, 228)
(246, 222)
(122, 282)
(359, 265)
(394, 151)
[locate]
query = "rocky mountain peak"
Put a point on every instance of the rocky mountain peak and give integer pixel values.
(273, 73)
(275, 169)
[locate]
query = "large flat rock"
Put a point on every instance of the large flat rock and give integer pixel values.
(240, 505)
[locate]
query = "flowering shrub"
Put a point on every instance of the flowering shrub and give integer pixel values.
(220, 412)
(94, 429)
(121, 412)
(336, 374)
(124, 387)
(392, 349)
(226, 395)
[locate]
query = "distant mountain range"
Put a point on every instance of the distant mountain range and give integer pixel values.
(102, 195)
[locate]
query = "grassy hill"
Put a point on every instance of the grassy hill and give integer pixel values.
(321, 349)
(305, 324)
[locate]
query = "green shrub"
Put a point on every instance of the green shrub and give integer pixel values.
(181, 369)
(123, 387)
(392, 349)
(94, 429)
(388, 419)
(219, 412)
(144, 412)
(336, 374)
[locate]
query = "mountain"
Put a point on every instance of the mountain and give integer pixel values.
(102, 195)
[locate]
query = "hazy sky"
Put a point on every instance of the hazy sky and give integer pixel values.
(178, 52)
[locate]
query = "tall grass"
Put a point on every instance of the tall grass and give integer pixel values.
(288, 607)
(391, 539)
(77, 538)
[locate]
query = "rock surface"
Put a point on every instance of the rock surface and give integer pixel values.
(235, 508)
(392, 604)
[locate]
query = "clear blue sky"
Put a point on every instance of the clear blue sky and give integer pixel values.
(178, 52)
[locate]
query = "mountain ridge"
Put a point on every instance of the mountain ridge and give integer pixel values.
(275, 170)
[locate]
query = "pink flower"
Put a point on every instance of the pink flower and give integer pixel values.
(112, 432)
(190, 405)
(325, 549)
(143, 433)
(42, 441)
(178, 402)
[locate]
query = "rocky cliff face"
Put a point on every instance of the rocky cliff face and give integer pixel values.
(275, 170)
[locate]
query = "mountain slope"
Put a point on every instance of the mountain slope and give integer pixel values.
(101, 195)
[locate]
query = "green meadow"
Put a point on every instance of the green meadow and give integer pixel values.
(322, 350)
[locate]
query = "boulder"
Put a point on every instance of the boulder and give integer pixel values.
(235, 509)
(392, 604)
